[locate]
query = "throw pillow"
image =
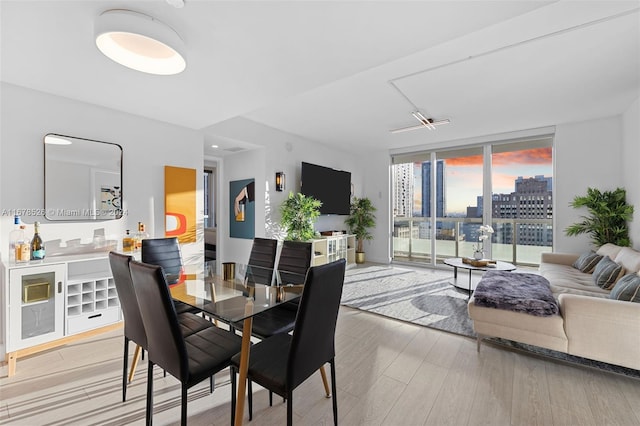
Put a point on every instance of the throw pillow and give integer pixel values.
(607, 272)
(627, 288)
(587, 262)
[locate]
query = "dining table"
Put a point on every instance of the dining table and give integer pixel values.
(249, 291)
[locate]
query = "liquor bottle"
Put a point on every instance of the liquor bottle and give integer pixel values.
(128, 243)
(37, 246)
(16, 242)
(23, 247)
(141, 235)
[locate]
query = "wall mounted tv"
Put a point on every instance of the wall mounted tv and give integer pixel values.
(332, 187)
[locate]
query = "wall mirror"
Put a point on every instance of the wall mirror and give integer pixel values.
(82, 179)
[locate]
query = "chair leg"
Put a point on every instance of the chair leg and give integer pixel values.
(323, 374)
(149, 412)
(333, 390)
(250, 398)
(212, 383)
(270, 399)
(290, 408)
(183, 411)
(233, 395)
(125, 361)
(134, 363)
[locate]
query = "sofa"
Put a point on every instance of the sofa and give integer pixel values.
(590, 323)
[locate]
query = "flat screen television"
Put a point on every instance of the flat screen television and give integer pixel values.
(332, 187)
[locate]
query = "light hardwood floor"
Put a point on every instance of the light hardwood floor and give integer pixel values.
(388, 373)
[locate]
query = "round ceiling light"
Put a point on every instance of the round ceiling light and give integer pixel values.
(140, 42)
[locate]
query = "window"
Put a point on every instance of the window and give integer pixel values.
(441, 198)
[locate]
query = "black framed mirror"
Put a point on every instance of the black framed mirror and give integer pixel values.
(82, 179)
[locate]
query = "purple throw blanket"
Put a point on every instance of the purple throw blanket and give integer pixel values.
(528, 293)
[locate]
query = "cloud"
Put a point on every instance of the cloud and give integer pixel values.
(528, 156)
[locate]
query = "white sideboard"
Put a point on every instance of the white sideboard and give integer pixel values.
(55, 301)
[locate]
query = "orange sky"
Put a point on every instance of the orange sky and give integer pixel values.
(530, 156)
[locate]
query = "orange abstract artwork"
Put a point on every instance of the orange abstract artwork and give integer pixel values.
(180, 203)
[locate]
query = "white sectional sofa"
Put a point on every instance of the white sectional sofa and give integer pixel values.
(589, 325)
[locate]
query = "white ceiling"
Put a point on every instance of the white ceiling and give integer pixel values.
(345, 73)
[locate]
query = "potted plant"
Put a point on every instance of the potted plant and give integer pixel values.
(298, 213)
(607, 219)
(360, 219)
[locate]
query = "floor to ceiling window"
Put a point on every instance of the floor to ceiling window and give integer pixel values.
(441, 198)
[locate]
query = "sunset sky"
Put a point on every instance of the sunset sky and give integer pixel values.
(463, 176)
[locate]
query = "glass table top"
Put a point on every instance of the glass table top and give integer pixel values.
(240, 297)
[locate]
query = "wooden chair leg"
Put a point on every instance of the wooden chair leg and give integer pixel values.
(323, 373)
(134, 363)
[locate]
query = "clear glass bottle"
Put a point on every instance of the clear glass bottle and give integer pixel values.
(37, 245)
(18, 243)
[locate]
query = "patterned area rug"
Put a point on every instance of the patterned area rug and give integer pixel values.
(420, 297)
(427, 297)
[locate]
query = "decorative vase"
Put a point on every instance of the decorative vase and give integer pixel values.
(478, 254)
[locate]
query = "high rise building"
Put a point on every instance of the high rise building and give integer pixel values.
(532, 199)
(426, 189)
(403, 190)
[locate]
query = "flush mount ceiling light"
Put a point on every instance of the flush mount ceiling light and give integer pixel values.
(425, 122)
(140, 42)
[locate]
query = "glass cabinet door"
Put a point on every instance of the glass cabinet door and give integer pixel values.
(37, 303)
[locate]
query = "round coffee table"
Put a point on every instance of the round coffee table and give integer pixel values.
(458, 263)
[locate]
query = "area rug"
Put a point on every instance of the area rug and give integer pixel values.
(427, 297)
(420, 297)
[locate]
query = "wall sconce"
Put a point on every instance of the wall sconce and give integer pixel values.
(279, 181)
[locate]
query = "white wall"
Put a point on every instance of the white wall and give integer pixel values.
(281, 152)
(586, 154)
(631, 166)
(148, 145)
(377, 188)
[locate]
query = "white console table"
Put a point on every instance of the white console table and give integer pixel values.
(54, 302)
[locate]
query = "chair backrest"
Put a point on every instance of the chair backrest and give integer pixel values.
(133, 325)
(164, 252)
(263, 254)
(313, 342)
(295, 257)
(165, 343)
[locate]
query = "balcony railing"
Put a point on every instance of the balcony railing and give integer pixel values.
(519, 241)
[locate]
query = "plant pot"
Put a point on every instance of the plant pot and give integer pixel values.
(359, 257)
(478, 254)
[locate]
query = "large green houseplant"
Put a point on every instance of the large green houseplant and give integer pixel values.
(298, 214)
(607, 219)
(360, 220)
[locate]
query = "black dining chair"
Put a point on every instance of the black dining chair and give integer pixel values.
(191, 358)
(166, 252)
(293, 264)
(282, 362)
(133, 325)
(263, 256)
